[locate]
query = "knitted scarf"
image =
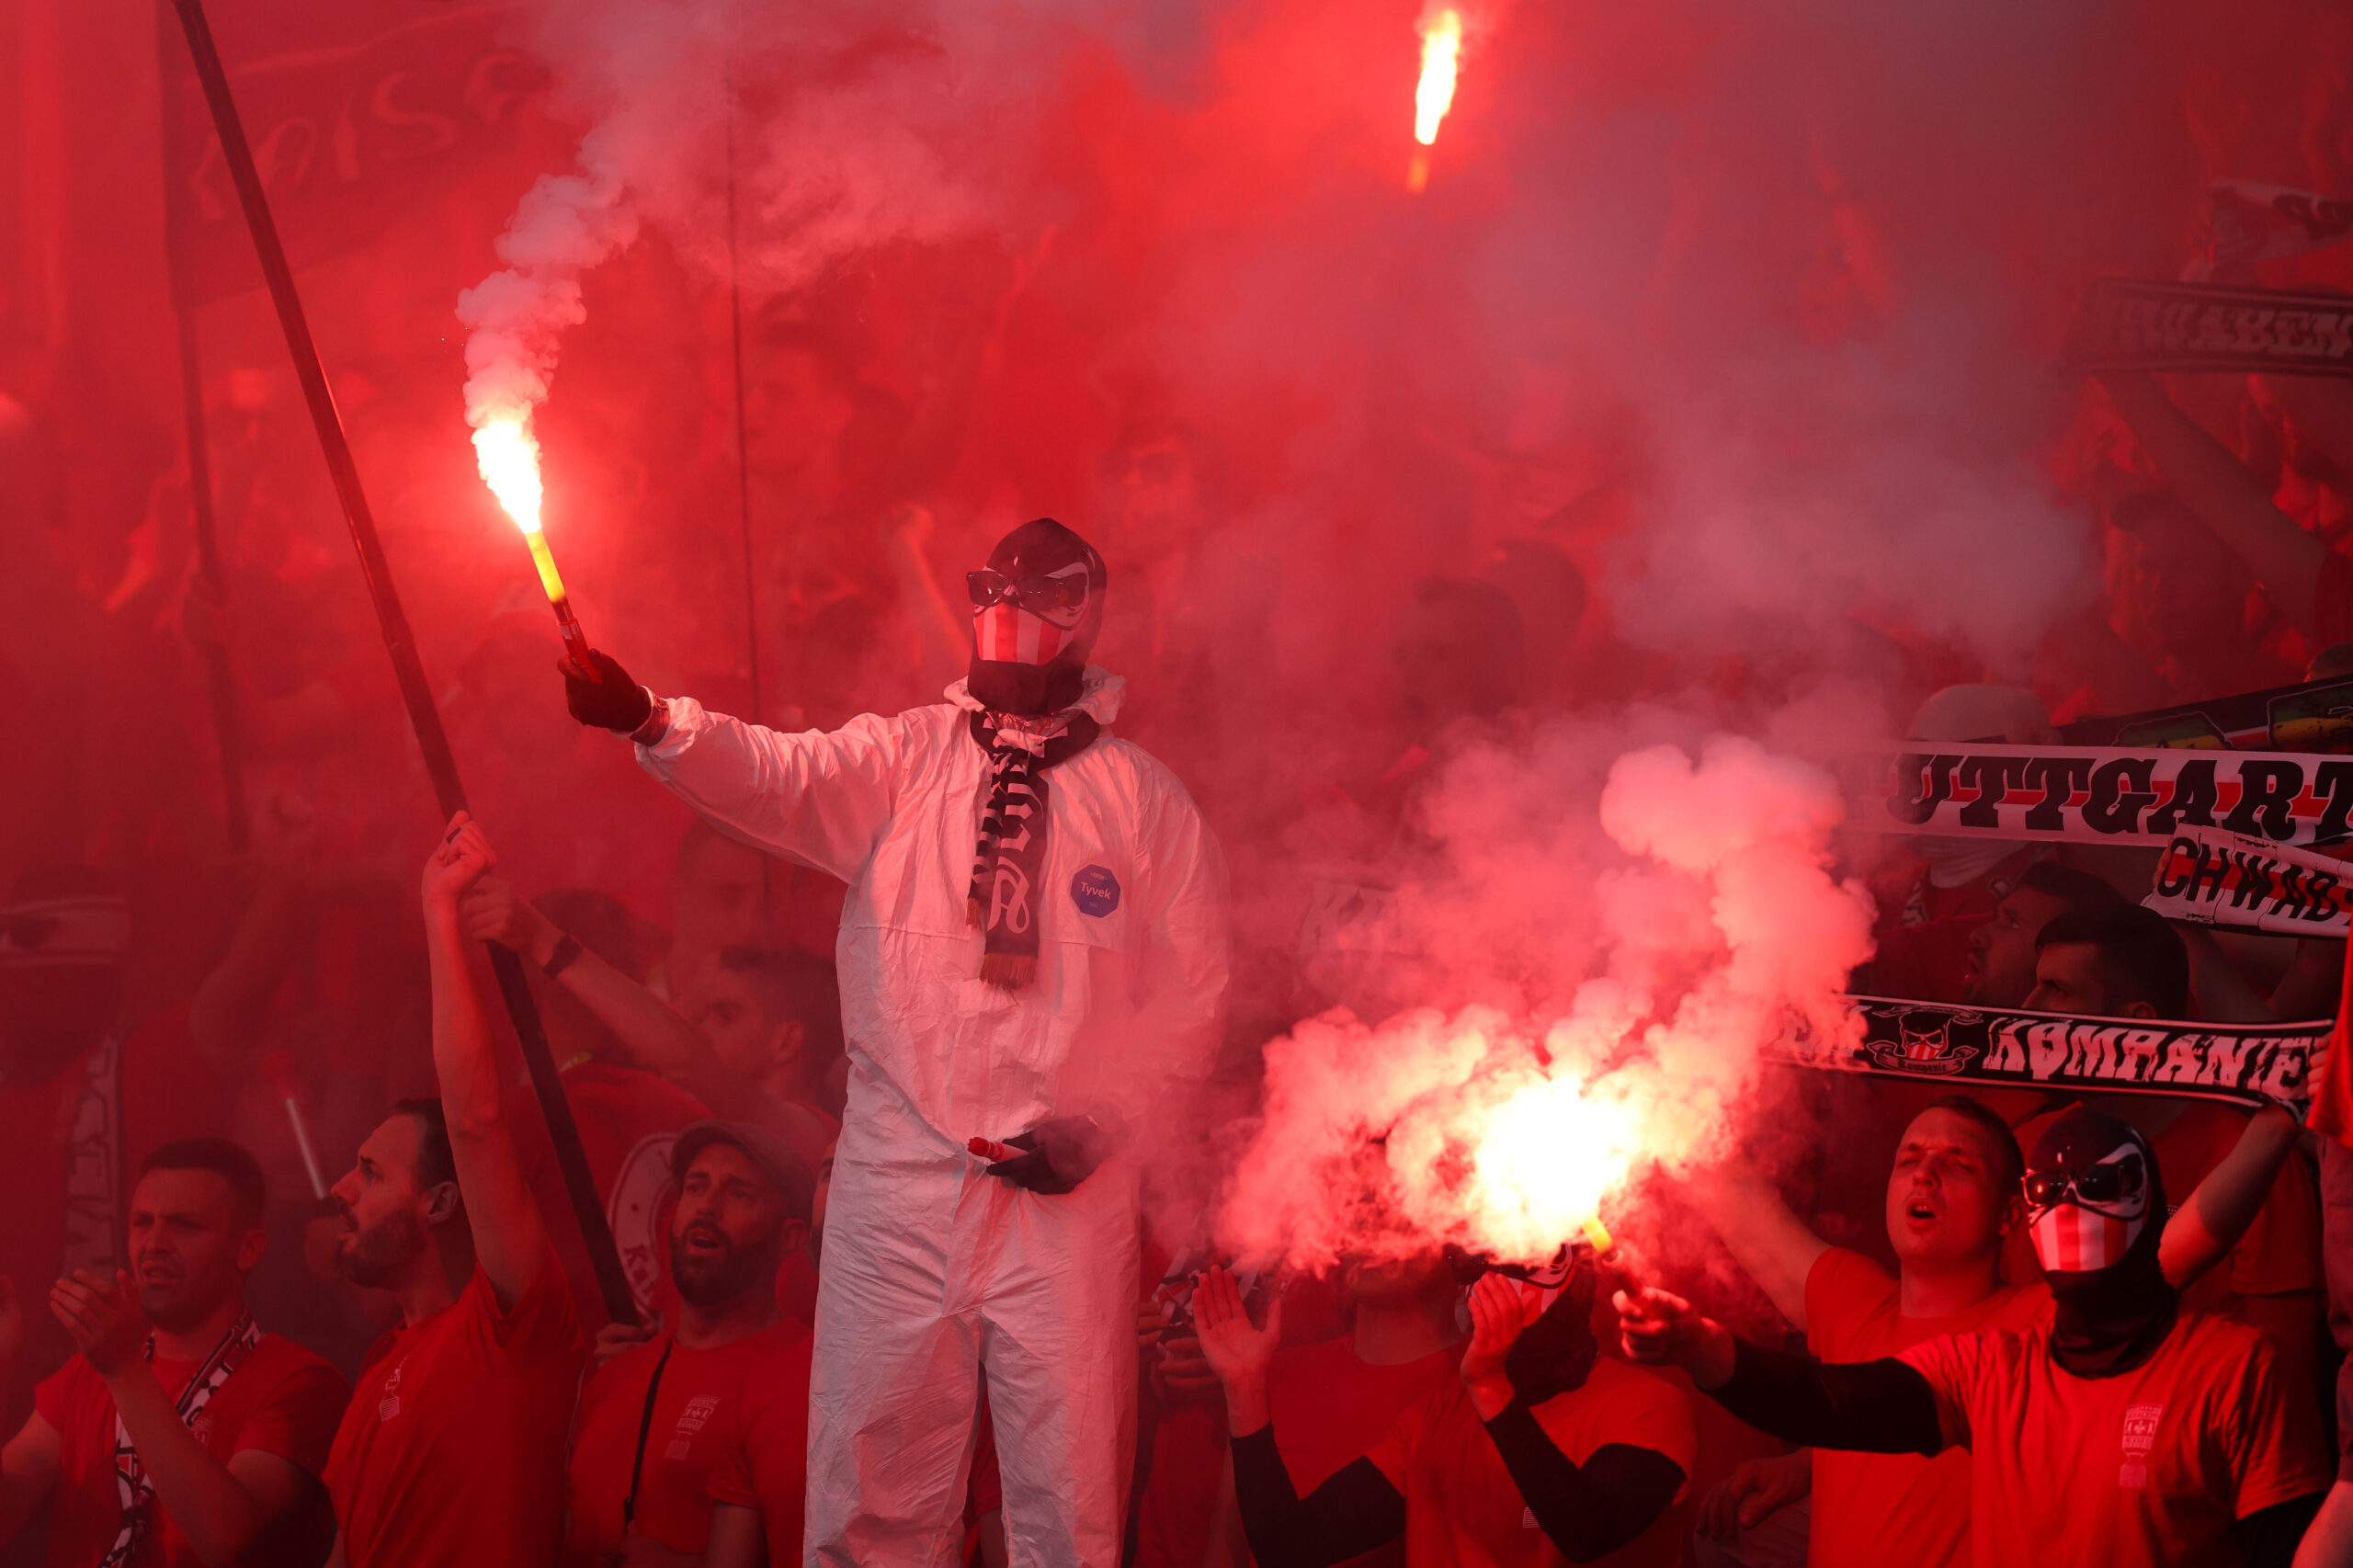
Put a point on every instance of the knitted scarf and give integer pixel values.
(1011, 854)
(130, 1480)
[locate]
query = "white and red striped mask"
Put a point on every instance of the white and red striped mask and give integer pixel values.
(2074, 1234)
(1004, 633)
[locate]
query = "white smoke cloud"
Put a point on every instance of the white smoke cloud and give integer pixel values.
(1720, 929)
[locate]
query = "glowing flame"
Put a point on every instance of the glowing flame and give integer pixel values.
(1442, 47)
(509, 461)
(1542, 1163)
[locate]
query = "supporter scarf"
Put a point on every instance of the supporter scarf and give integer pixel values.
(2101, 794)
(2311, 716)
(1011, 855)
(2113, 1307)
(2251, 884)
(130, 1474)
(2128, 325)
(2245, 1064)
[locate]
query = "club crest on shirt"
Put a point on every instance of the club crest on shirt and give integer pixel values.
(1096, 891)
(2140, 1436)
(1924, 1043)
(642, 1194)
(691, 1420)
(390, 1405)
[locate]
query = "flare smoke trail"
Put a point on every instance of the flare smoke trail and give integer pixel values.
(1503, 1133)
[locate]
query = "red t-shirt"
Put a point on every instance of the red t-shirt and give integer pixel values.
(2151, 1467)
(164, 1091)
(1463, 1508)
(2280, 1252)
(1877, 1510)
(627, 1119)
(282, 1399)
(763, 1451)
(452, 1450)
(683, 1442)
(1327, 1402)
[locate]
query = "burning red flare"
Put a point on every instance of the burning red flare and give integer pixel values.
(510, 460)
(1441, 32)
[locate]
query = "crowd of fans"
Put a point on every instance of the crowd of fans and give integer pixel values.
(289, 1266)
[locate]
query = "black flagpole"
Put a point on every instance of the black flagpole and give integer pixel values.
(218, 685)
(431, 739)
(744, 485)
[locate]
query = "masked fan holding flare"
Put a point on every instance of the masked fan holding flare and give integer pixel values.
(1033, 949)
(2120, 1429)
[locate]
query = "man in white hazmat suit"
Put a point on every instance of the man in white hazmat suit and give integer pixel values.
(1045, 988)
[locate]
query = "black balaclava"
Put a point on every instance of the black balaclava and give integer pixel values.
(2098, 1250)
(1030, 661)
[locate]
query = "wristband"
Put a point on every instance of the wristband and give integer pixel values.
(566, 950)
(657, 721)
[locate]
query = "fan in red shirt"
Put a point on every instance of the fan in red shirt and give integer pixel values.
(79, 1094)
(1325, 1398)
(451, 1454)
(2121, 1429)
(216, 1431)
(1952, 1201)
(1540, 1449)
(663, 1421)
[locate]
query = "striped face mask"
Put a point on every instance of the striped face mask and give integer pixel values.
(1037, 607)
(1027, 621)
(2087, 1217)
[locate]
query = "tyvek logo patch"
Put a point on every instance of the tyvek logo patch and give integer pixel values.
(1096, 891)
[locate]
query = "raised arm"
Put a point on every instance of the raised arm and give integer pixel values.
(1880, 1407)
(1350, 1514)
(1771, 1245)
(510, 1242)
(654, 1033)
(1588, 1510)
(2203, 1231)
(221, 1508)
(2212, 482)
(820, 798)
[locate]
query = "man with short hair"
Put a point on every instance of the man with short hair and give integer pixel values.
(2002, 952)
(657, 1421)
(2122, 962)
(2118, 1428)
(452, 1452)
(1952, 1200)
(181, 1435)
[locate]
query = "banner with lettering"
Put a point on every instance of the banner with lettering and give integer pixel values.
(2313, 715)
(2248, 1064)
(2130, 324)
(2252, 884)
(359, 113)
(2102, 795)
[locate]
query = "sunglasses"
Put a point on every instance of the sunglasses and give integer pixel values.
(2093, 1184)
(1030, 593)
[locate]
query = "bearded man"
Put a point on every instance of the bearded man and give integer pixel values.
(655, 1419)
(1046, 988)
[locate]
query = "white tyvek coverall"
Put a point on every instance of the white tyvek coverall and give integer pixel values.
(934, 1270)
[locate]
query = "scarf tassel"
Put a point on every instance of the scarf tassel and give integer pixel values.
(1010, 972)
